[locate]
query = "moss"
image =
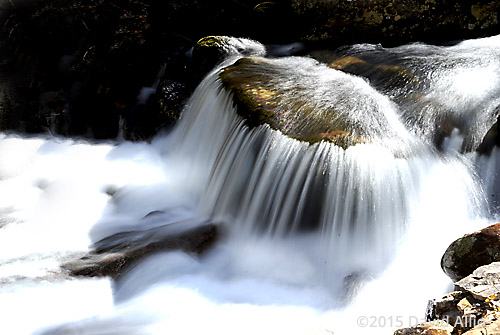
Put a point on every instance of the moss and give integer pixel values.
(211, 42)
(260, 102)
(465, 245)
(264, 7)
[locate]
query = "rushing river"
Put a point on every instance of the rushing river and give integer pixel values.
(317, 239)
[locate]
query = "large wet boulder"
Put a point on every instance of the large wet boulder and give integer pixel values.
(308, 101)
(471, 251)
(260, 101)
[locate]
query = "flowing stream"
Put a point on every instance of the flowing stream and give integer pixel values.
(317, 239)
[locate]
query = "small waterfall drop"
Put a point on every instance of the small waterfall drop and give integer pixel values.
(316, 236)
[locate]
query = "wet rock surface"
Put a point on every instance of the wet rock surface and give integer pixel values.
(113, 255)
(280, 95)
(471, 251)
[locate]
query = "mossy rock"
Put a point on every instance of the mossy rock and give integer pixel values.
(212, 50)
(291, 110)
(471, 251)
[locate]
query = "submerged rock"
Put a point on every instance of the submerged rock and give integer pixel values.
(471, 251)
(113, 255)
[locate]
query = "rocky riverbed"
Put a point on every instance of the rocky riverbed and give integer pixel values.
(473, 308)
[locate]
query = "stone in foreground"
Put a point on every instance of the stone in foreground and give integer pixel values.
(427, 328)
(471, 251)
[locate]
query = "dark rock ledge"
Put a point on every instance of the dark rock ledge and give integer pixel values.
(114, 255)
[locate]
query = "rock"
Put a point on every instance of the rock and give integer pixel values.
(113, 255)
(488, 325)
(471, 251)
(490, 140)
(446, 307)
(483, 283)
(474, 306)
(427, 328)
(259, 101)
(388, 78)
(460, 309)
(395, 21)
(97, 56)
(211, 50)
(279, 93)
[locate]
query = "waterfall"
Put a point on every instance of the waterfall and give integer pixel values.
(316, 236)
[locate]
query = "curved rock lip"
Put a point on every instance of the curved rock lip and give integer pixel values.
(262, 97)
(308, 101)
(259, 101)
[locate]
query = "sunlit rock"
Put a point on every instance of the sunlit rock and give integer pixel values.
(310, 102)
(489, 325)
(460, 309)
(471, 251)
(473, 308)
(483, 283)
(427, 328)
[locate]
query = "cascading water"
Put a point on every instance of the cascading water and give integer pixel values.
(318, 239)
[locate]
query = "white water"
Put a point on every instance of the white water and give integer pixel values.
(317, 238)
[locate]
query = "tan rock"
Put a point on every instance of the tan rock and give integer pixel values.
(427, 328)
